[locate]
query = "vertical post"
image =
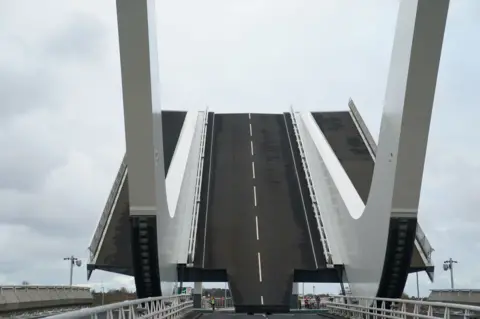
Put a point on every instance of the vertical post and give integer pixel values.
(197, 295)
(418, 287)
(71, 270)
(451, 276)
(72, 260)
(225, 300)
(294, 300)
(448, 265)
(103, 294)
(182, 274)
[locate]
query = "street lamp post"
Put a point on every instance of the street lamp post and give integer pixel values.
(73, 261)
(418, 287)
(103, 294)
(448, 265)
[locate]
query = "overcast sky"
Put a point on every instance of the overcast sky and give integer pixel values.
(61, 120)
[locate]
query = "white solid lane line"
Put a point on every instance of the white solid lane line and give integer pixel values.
(251, 147)
(256, 226)
(254, 196)
(259, 268)
(261, 300)
(250, 129)
(253, 170)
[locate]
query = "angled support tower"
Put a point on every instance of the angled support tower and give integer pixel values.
(376, 236)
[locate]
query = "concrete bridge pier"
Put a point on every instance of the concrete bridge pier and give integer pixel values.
(197, 295)
(294, 299)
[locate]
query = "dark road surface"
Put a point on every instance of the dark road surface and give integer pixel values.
(223, 315)
(231, 242)
(284, 241)
(256, 218)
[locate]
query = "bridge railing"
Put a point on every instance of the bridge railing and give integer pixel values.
(108, 208)
(198, 191)
(375, 308)
(420, 236)
(424, 243)
(220, 303)
(158, 307)
(318, 214)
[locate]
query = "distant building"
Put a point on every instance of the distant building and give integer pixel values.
(462, 296)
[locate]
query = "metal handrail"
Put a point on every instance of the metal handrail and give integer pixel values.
(108, 208)
(220, 303)
(366, 307)
(20, 287)
(166, 307)
(41, 313)
(318, 216)
(424, 243)
(198, 191)
(420, 236)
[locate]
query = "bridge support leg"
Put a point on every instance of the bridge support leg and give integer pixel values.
(294, 300)
(197, 295)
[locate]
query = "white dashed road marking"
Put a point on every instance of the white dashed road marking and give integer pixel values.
(255, 204)
(259, 268)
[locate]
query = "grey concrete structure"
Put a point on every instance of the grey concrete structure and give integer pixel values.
(461, 296)
(25, 298)
(264, 201)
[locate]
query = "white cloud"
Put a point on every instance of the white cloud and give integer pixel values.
(61, 128)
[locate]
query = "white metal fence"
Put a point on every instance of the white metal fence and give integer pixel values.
(220, 303)
(149, 308)
(107, 211)
(311, 189)
(380, 308)
(344, 306)
(198, 191)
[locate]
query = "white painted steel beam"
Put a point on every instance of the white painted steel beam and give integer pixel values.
(358, 232)
(144, 140)
(422, 244)
(136, 28)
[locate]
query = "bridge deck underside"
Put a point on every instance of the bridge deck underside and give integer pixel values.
(115, 254)
(256, 219)
(349, 147)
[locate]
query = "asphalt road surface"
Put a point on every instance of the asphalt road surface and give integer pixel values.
(223, 315)
(284, 241)
(257, 220)
(230, 239)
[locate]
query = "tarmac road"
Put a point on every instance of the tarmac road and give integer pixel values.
(258, 218)
(230, 239)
